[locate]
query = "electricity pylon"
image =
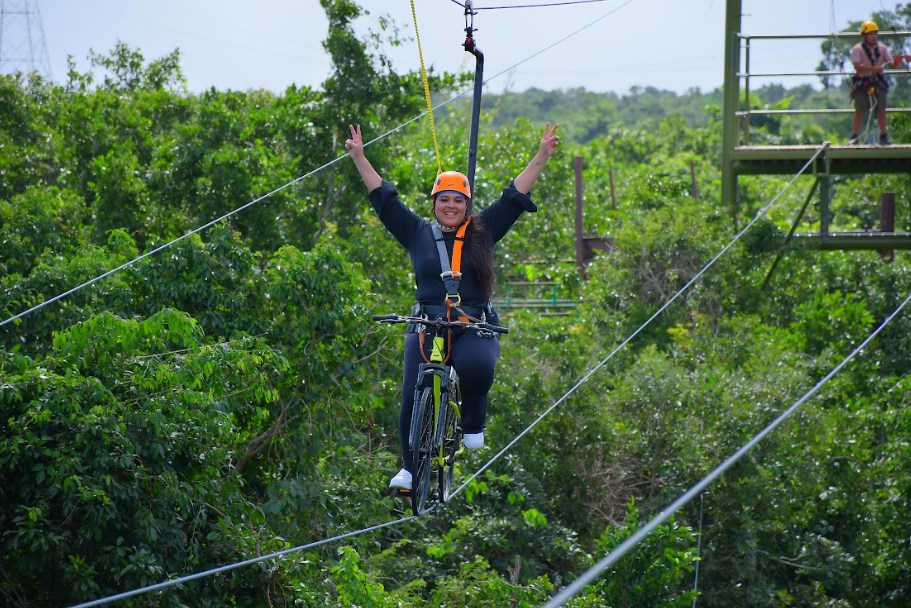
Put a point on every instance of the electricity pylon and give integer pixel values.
(22, 44)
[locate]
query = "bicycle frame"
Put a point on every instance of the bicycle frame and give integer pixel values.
(444, 378)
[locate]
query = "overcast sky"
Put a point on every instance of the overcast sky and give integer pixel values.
(668, 44)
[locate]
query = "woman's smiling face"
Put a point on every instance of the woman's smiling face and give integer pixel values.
(450, 208)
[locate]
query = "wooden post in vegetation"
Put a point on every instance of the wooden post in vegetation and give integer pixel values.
(887, 220)
(580, 239)
(613, 192)
(694, 187)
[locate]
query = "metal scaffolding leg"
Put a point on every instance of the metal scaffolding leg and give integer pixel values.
(825, 217)
(787, 240)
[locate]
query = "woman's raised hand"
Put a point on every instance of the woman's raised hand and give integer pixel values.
(549, 140)
(355, 145)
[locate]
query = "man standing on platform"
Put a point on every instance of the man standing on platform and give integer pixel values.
(869, 91)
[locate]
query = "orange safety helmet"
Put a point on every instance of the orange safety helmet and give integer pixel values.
(867, 27)
(451, 180)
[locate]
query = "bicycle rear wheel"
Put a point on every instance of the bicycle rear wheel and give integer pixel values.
(421, 450)
(450, 442)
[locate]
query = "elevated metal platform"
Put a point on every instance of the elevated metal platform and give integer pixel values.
(846, 241)
(741, 155)
(839, 159)
(833, 160)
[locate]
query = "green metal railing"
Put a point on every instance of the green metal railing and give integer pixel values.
(745, 47)
(539, 295)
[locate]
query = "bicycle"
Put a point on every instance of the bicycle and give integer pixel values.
(435, 432)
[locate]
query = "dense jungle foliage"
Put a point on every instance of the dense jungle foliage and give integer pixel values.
(227, 396)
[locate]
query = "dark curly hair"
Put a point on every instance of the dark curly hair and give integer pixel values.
(479, 250)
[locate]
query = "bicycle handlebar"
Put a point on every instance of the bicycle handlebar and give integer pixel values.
(440, 323)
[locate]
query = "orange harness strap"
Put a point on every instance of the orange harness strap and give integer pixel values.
(457, 248)
(451, 275)
(452, 271)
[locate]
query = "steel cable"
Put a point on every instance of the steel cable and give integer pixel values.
(289, 551)
(298, 179)
(545, 4)
(247, 562)
(209, 224)
(188, 578)
(203, 574)
(639, 330)
(623, 548)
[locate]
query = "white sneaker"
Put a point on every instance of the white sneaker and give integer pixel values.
(401, 481)
(473, 441)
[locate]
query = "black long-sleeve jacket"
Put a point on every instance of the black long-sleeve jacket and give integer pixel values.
(415, 234)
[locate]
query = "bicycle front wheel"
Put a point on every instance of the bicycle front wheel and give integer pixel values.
(450, 442)
(421, 450)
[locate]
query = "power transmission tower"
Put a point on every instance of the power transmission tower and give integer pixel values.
(22, 44)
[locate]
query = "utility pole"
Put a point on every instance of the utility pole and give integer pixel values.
(22, 44)
(733, 11)
(580, 237)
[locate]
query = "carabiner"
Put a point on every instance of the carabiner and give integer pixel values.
(469, 27)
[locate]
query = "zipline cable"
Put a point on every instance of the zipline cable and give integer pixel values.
(698, 551)
(561, 40)
(255, 560)
(188, 578)
(248, 562)
(555, 43)
(642, 327)
(487, 465)
(200, 229)
(611, 558)
(199, 575)
(162, 247)
(210, 224)
(563, 3)
(296, 180)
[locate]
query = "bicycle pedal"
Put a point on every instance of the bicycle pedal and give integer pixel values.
(398, 493)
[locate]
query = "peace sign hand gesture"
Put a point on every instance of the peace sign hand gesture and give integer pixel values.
(525, 180)
(355, 145)
(549, 140)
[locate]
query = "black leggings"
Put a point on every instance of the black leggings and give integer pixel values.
(474, 358)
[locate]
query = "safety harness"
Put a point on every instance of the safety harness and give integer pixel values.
(869, 82)
(452, 276)
(452, 272)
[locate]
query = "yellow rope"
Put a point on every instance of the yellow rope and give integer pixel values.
(433, 127)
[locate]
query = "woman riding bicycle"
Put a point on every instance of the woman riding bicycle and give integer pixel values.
(473, 354)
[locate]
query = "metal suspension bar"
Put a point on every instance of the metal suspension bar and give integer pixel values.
(476, 100)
